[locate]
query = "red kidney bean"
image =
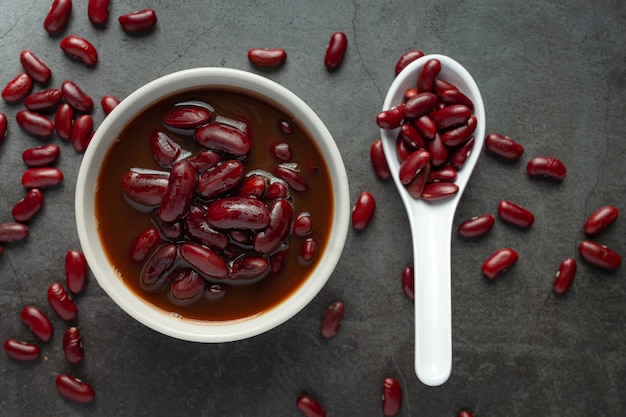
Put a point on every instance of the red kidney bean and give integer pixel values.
(515, 214)
(459, 135)
(220, 179)
(451, 116)
(28, 206)
(205, 159)
(199, 229)
(41, 155)
(601, 219)
(155, 272)
(441, 86)
(392, 397)
(41, 177)
(80, 48)
(438, 151)
(454, 96)
(290, 173)
(35, 67)
(145, 189)
(363, 210)
(426, 127)
(76, 97)
(269, 239)
(37, 321)
(379, 162)
(34, 123)
(412, 165)
(419, 105)
(412, 136)
(461, 153)
(336, 50)
(186, 117)
(61, 302)
(180, 191)
(267, 57)
(276, 189)
(238, 213)
(599, 255)
(223, 138)
(164, 149)
(465, 413)
(43, 100)
(428, 75)
(187, 288)
(416, 187)
(410, 93)
(171, 231)
(498, 262)
(242, 237)
(331, 320)
(81, 132)
(74, 389)
(98, 12)
(503, 146)
(108, 103)
(21, 351)
(204, 260)
(18, 88)
(249, 269)
(73, 345)
(13, 232)
(564, 276)
(444, 173)
(4, 124)
(280, 150)
(144, 243)
(139, 21)
(477, 226)
(58, 16)
(277, 261)
(546, 166)
(253, 186)
(303, 224)
(406, 58)
(309, 406)
(64, 121)
(75, 271)
(392, 118)
(408, 282)
(308, 251)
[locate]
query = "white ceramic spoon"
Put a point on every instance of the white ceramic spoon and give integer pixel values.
(431, 228)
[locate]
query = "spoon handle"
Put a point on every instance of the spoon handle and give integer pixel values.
(433, 333)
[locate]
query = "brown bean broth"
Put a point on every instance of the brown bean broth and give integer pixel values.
(118, 223)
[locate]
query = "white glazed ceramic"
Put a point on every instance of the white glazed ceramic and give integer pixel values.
(431, 228)
(104, 272)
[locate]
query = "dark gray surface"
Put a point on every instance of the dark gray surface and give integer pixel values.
(552, 77)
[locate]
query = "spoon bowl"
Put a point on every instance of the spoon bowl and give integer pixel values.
(431, 227)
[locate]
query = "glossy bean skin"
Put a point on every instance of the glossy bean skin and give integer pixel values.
(309, 406)
(392, 397)
(249, 269)
(418, 184)
(76, 97)
(108, 103)
(73, 345)
(331, 320)
(454, 96)
(419, 105)
(180, 191)
(451, 116)
(336, 50)
(199, 229)
(392, 118)
(406, 58)
(223, 138)
(187, 288)
(439, 153)
(98, 12)
(412, 165)
(428, 75)
(546, 166)
(42, 177)
(308, 251)
(436, 191)
(171, 231)
(220, 179)
(281, 151)
(477, 226)
(35, 67)
(444, 173)
(564, 276)
(185, 117)
(269, 239)
(498, 262)
(459, 135)
(21, 351)
(408, 282)
(238, 213)
(74, 389)
(267, 57)
(79, 48)
(28, 206)
(378, 160)
(137, 22)
(13, 232)
(43, 100)
(601, 219)
(18, 88)
(144, 243)
(276, 189)
(37, 322)
(164, 149)
(205, 159)
(461, 153)
(503, 146)
(363, 211)
(411, 136)
(34, 123)
(43, 155)
(155, 272)
(303, 224)
(58, 16)
(290, 173)
(599, 255)
(61, 302)
(253, 186)
(426, 127)
(81, 132)
(75, 271)
(4, 124)
(204, 260)
(145, 189)
(465, 413)
(64, 121)
(515, 214)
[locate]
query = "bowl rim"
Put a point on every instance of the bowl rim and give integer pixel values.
(152, 316)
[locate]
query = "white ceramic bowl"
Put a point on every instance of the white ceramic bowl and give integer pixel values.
(104, 271)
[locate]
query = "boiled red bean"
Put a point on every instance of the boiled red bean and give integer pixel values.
(58, 16)
(601, 219)
(74, 389)
(503, 146)
(12, 232)
(290, 173)
(139, 21)
(76, 97)
(392, 397)
(28, 206)
(37, 321)
(220, 179)
(419, 105)
(61, 302)
(205, 159)
(276, 189)
(269, 239)
(309, 406)
(21, 351)
(406, 58)
(336, 50)
(187, 288)
(461, 153)
(277, 261)
(392, 118)
(249, 269)
(73, 345)
(81, 132)
(223, 138)
(303, 224)
(238, 213)
(459, 135)
(253, 186)
(428, 75)
(171, 231)
(63, 121)
(41, 155)
(435, 191)
(438, 151)
(515, 214)
(204, 260)
(145, 189)
(98, 12)
(180, 191)
(412, 165)
(308, 251)
(185, 118)
(444, 173)
(408, 282)
(599, 255)
(80, 48)
(164, 149)
(34, 123)
(331, 320)
(199, 229)
(545, 166)
(144, 243)
(280, 150)
(417, 185)
(477, 226)
(564, 276)
(267, 57)
(43, 100)
(498, 262)
(18, 88)
(155, 272)
(363, 210)
(451, 116)
(75, 271)
(42, 177)
(378, 160)
(108, 103)
(426, 127)
(35, 67)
